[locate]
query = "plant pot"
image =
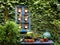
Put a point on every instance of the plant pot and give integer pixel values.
(25, 40)
(28, 40)
(41, 40)
(45, 39)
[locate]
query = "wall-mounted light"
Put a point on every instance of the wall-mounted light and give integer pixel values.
(26, 18)
(26, 26)
(19, 9)
(19, 18)
(26, 10)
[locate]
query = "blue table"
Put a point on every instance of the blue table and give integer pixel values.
(50, 42)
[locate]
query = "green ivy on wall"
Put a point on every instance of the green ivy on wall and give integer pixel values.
(44, 15)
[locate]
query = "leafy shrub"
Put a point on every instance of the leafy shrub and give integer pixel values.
(2, 33)
(9, 33)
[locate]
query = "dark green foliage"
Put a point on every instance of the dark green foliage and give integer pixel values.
(2, 33)
(9, 33)
(43, 15)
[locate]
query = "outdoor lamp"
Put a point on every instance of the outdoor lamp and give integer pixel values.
(19, 18)
(19, 10)
(26, 18)
(26, 26)
(26, 10)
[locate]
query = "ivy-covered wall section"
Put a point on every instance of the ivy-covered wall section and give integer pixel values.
(44, 15)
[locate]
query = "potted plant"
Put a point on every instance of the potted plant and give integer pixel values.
(11, 31)
(28, 37)
(41, 38)
(45, 39)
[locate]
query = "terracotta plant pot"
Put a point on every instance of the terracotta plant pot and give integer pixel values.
(32, 40)
(25, 40)
(45, 39)
(41, 40)
(28, 40)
